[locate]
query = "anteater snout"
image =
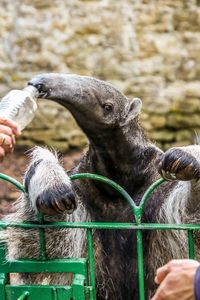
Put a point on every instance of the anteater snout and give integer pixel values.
(40, 84)
(56, 200)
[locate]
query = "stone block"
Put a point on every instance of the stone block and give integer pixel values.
(162, 135)
(187, 105)
(180, 121)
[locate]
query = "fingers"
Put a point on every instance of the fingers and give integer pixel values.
(6, 144)
(161, 273)
(185, 263)
(8, 131)
(164, 291)
(6, 140)
(2, 153)
(176, 280)
(9, 124)
(159, 295)
(173, 265)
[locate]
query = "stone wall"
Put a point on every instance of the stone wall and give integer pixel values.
(149, 49)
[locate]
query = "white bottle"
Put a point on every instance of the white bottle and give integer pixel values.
(20, 106)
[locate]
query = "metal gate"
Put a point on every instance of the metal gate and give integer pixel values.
(83, 269)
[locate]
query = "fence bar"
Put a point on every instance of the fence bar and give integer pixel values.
(89, 226)
(24, 296)
(101, 225)
(140, 264)
(13, 181)
(42, 238)
(110, 182)
(54, 293)
(148, 193)
(3, 281)
(91, 261)
(191, 244)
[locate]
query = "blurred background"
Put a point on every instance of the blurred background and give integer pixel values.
(147, 48)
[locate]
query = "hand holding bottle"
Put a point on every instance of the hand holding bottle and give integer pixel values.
(17, 110)
(19, 106)
(8, 131)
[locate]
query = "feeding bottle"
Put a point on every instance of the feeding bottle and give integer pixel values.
(20, 106)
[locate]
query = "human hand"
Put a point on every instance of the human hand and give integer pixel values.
(176, 280)
(8, 131)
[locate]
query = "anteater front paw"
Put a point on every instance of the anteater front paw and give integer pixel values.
(56, 200)
(47, 185)
(178, 164)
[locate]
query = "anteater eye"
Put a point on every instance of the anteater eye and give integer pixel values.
(108, 107)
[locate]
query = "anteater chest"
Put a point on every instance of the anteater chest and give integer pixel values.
(116, 262)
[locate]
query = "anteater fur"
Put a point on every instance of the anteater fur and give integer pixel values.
(118, 149)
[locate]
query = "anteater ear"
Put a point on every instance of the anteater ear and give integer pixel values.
(134, 109)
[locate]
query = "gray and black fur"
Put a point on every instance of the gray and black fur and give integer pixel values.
(118, 149)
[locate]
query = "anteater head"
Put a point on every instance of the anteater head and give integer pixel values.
(95, 104)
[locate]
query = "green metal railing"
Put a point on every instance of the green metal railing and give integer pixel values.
(83, 284)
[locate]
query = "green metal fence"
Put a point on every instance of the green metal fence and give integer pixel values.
(83, 269)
